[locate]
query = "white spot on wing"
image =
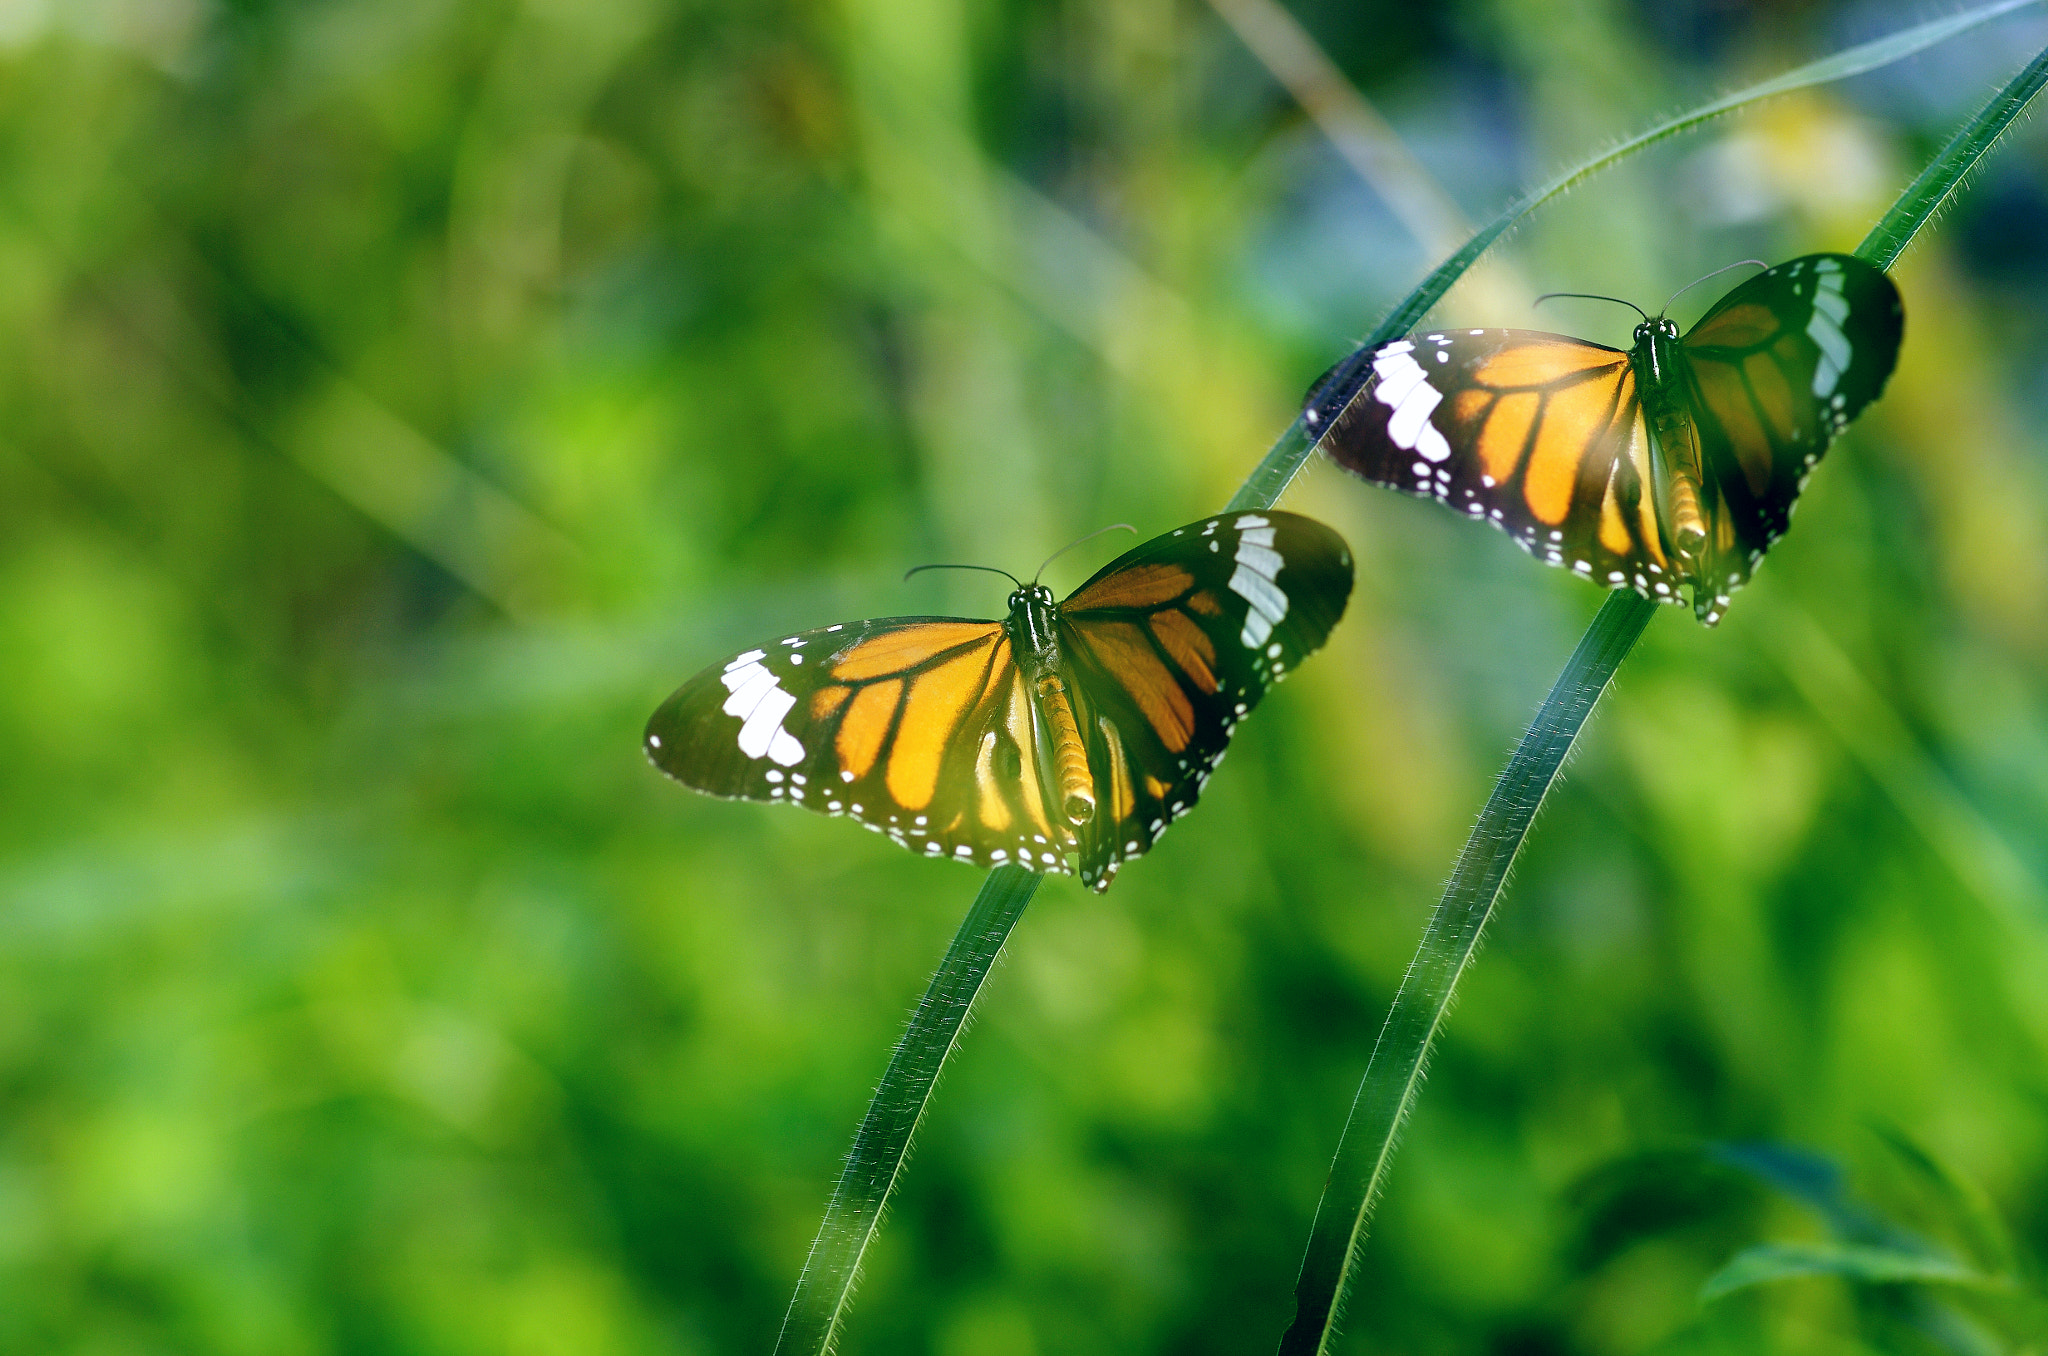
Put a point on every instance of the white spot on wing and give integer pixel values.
(1398, 375)
(1269, 605)
(1408, 421)
(763, 735)
(1823, 327)
(1406, 390)
(1257, 567)
(760, 703)
(1263, 559)
(748, 684)
(1431, 444)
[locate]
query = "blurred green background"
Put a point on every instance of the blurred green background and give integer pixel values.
(400, 397)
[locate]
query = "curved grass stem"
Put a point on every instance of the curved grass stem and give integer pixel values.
(1394, 1073)
(881, 1145)
(1932, 190)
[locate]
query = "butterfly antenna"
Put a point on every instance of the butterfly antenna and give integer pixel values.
(1113, 527)
(1739, 263)
(1591, 296)
(915, 569)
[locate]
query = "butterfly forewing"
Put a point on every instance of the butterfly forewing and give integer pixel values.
(918, 727)
(1539, 434)
(1780, 366)
(1172, 645)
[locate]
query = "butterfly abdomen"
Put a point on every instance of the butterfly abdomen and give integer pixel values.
(1674, 442)
(1034, 631)
(1069, 755)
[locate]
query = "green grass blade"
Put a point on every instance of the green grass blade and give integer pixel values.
(1854, 1262)
(1262, 489)
(1394, 1074)
(1918, 204)
(879, 1149)
(1269, 479)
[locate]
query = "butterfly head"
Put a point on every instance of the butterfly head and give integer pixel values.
(1663, 327)
(1032, 626)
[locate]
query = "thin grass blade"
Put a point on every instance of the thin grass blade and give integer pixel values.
(883, 1141)
(1395, 1072)
(1938, 182)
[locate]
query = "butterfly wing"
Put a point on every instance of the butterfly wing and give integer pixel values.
(1172, 644)
(1778, 367)
(1539, 434)
(918, 727)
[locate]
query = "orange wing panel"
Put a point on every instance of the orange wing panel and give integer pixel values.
(1575, 420)
(1742, 326)
(1189, 645)
(938, 699)
(895, 651)
(867, 725)
(1540, 363)
(1141, 586)
(1123, 651)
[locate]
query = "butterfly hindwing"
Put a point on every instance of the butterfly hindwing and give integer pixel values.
(1172, 645)
(1780, 366)
(917, 727)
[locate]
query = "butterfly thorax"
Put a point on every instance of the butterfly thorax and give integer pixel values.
(1660, 367)
(1034, 628)
(1034, 635)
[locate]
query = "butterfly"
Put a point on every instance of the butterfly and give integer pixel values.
(1674, 463)
(1076, 730)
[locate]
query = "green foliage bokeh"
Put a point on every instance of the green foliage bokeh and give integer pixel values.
(400, 399)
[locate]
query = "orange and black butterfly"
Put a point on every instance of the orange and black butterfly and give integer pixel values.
(1068, 730)
(1676, 462)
